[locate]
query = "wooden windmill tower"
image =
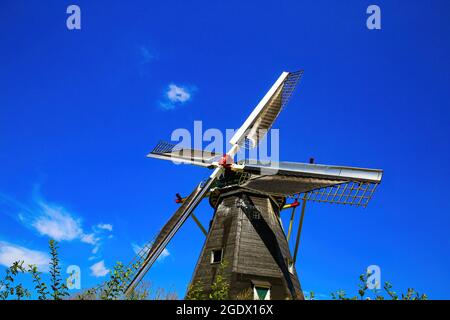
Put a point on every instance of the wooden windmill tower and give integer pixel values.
(247, 198)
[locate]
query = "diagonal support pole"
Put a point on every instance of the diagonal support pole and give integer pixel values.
(291, 222)
(199, 224)
(297, 241)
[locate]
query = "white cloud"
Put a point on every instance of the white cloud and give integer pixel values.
(10, 253)
(98, 269)
(105, 226)
(164, 254)
(57, 223)
(89, 238)
(176, 95)
(54, 221)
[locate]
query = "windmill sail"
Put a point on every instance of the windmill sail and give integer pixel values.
(321, 183)
(265, 113)
(168, 151)
(169, 230)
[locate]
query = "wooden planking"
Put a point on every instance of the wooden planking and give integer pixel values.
(254, 248)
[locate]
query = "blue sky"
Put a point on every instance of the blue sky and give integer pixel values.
(80, 109)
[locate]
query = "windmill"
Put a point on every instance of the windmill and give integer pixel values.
(247, 197)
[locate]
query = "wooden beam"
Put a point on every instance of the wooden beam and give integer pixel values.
(199, 224)
(291, 222)
(297, 242)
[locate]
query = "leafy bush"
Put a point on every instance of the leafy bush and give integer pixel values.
(365, 294)
(219, 288)
(59, 288)
(114, 288)
(9, 288)
(195, 292)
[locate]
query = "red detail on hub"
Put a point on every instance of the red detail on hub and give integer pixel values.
(226, 161)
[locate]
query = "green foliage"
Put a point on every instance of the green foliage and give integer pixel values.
(115, 287)
(339, 295)
(8, 286)
(89, 294)
(311, 296)
(363, 285)
(388, 288)
(39, 285)
(59, 288)
(220, 287)
(364, 293)
(195, 292)
(21, 292)
(412, 294)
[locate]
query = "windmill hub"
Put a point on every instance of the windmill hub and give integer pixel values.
(219, 193)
